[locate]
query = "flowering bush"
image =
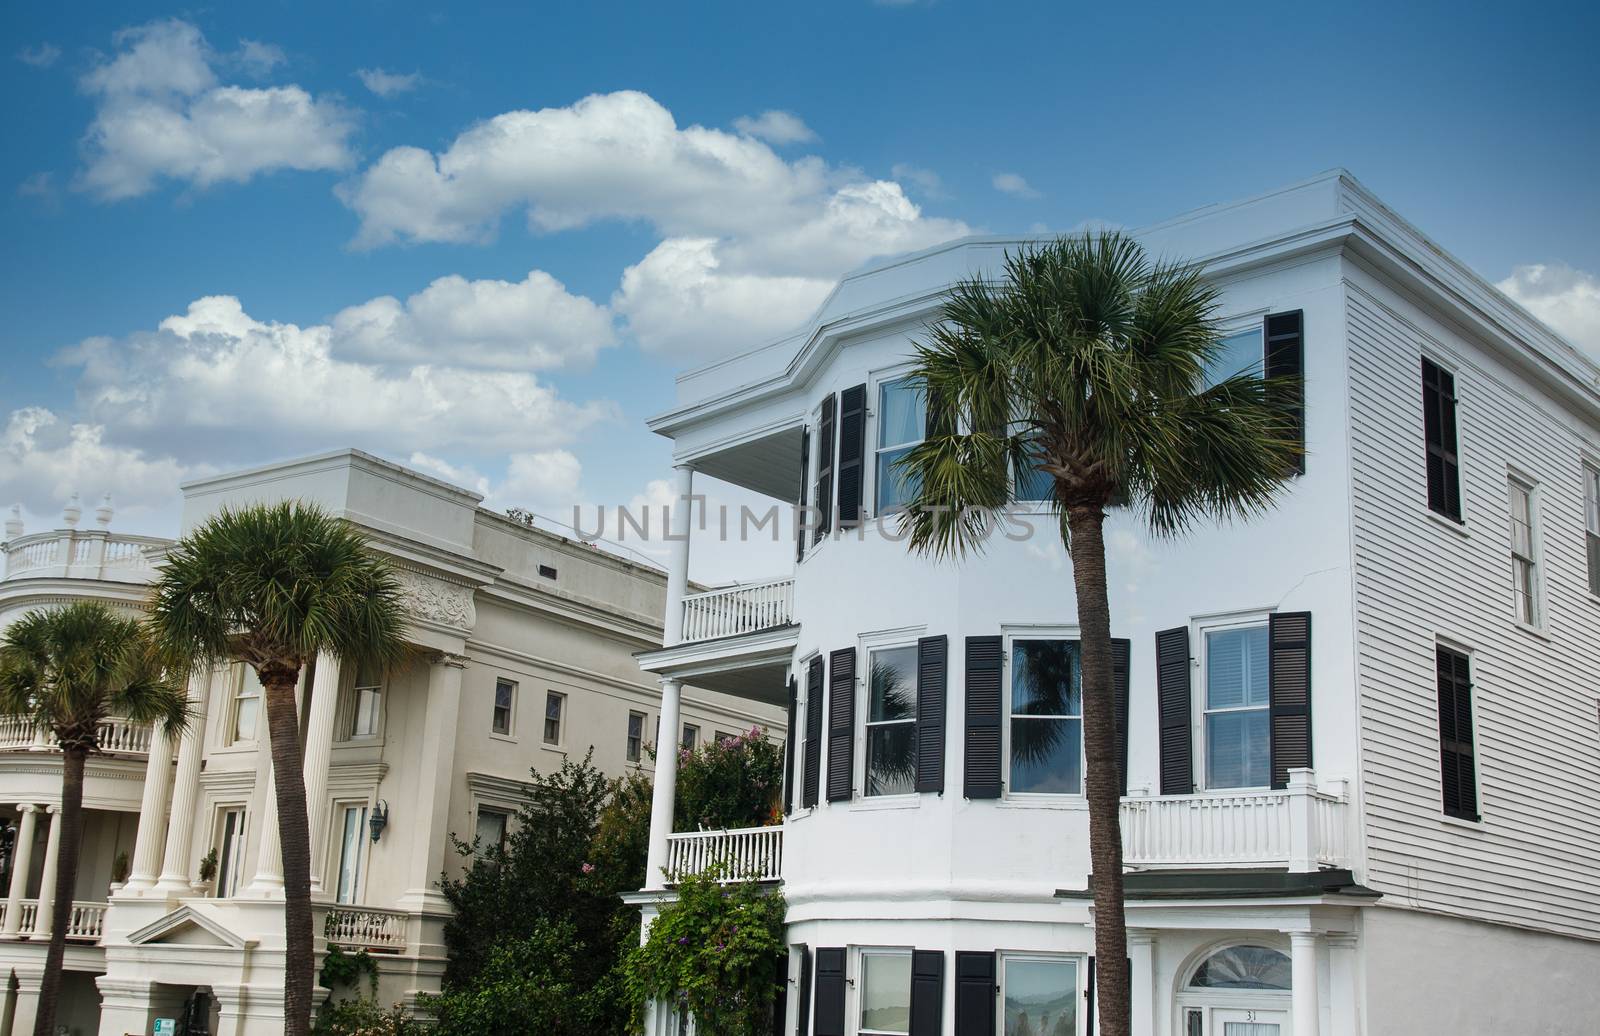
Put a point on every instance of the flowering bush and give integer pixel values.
(730, 782)
(715, 954)
(362, 1017)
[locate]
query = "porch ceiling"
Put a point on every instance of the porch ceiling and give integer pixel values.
(769, 465)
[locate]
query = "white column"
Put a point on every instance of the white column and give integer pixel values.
(665, 787)
(152, 814)
(1342, 998)
(319, 753)
(47, 878)
(268, 880)
(1142, 957)
(21, 863)
(1302, 822)
(175, 868)
(430, 826)
(1303, 965)
(678, 557)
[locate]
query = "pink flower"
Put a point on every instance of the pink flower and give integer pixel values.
(588, 868)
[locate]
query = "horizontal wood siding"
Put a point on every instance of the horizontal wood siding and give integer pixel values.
(1532, 861)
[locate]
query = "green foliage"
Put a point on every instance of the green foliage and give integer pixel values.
(729, 783)
(362, 1017)
(341, 970)
(622, 839)
(714, 952)
(208, 865)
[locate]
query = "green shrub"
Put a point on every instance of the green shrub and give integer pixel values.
(362, 1017)
(729, 783)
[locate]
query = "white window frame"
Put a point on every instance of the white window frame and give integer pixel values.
(233, 859)
(1591, 516)
(1013, 634)
(500, 811)
(1237, 326)
(239, 678)
(1080, 960)
(814, 472)
(633, 745)
(866, 644)
(377, 691)
(1198, 688)
(341, 809)
(560, 719)
(859, 985)
(511, 709)
(876, 383)
(1516, 479)
(683, 736)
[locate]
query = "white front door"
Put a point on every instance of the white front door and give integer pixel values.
(1236, 1021)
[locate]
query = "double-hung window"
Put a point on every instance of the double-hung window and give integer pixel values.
(1235, 708)
(891, 760)
(246, 705)
(369, 704)
(1439, 433)
(902, 420)
(1524, 552)
(1039, 995)
(1591, 524)
(352, 839)
(1238, 353)
(885, 993)
(554, 706)
(1046, 717)
(505, 703)
(230, 850)
(1458, 773)
(490, 830)
(691, 737)
(635, 736)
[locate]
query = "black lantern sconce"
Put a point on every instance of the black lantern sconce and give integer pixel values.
(380, 819)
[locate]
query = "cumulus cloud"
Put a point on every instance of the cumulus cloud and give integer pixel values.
(42, 56)
(257, 58)
(775, 127)
(532, 323)
(1566, 299)
(925, 180)
(161, 113)
(1014, 185)
(388, 84)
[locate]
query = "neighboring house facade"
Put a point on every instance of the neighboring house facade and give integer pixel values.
(523, 647)
(1362, 763)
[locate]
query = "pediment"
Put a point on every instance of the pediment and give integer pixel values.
(186, 926)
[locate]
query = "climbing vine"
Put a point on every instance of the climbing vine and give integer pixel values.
(345, 970)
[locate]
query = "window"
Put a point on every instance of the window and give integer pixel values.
(353, 837)
(635, 736)
(691, 736)
(505, 701)
(369, 704)
(491, 830)
(891, 721)
(722, 737)
(553, 704)
(1524, 566)
(1237, 353)
(1032, 484)
(1591, 524)
(1439, 431)
(230, 850)
(885, 993)
(1235, 708)
(547, 571)
(901, 420)
(1458, 776)
(246, 705)
(1046, 725)
(1040, 996)
(1244, 967)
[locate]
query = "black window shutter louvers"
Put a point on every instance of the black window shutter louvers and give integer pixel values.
(791, 752)
(852, 443)
(1173, 711)
(1120, 652)
(1289, 691)
(933, 668)
(1286, 362)
(1439, 437)
(824, 501)
(841, 723)
(827, 1018)
(927, 993)
(981, 752)
(802, 1013)
(777, 1024)
(813, 761)
(975, 994)
(800, 503)
(1457, 764)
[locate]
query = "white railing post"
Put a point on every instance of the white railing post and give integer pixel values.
(1302, 821)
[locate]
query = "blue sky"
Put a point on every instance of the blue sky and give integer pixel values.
(413, 233)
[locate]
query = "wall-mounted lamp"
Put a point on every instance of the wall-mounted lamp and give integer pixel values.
(379, 819)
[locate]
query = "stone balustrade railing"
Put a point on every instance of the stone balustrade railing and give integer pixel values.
(116, 736)
(83, 554)
(366, 928)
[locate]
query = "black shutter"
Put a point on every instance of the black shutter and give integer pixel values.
(1439, 437)
(790, 752)
(1120, 650)
(824, 501)
(802, 1014)
(1286, 363)
(813, 760)
(828, 1015)
(927, 993)
(975, 991)
(981, 763)
(1457, 760)
(1172, 709)
(1289, 689)
(1088, 999)
(933, 667)
(852, 443)
(841, 723)
(780, 994)
(800, 503)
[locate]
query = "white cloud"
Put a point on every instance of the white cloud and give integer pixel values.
(388, 84)
(1566, 299)
(257, 58)
(532, 323)
(162, 113)
(42, 56)
(775, 127)
(925, 180)
(41, 186)
(1014, 185)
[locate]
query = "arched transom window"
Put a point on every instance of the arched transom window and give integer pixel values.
(1243, 967)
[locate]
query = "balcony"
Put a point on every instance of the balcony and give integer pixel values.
(116, 736)
(746, 854)
(91, 554)
(86, 923)
(377, 931)
(736, 610)
(1299, 828)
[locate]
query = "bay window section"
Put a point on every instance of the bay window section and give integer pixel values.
(891, 721)
(1046, 717)
(1236, 708)
(885, 993)
(1040, 995)
(901, 426)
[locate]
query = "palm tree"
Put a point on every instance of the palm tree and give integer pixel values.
(271, 586)
(67, 670)
(1090, 365)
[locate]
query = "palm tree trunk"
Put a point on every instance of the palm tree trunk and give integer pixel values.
(71, 819)
(1101, 764)
(294, 835)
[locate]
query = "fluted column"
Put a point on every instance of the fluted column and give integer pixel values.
(175, 868)
(21, 863)
(319, 753)
(665, 787)
(268, 879)
(152, 814)
(430, 827)
(47, 878)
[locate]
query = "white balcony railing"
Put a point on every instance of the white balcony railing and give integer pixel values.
(83, 554)
(733, 610)
(366, 928)
(30, 916)
(87, 922)
(1299, 828)
(115, 735)
(747, 854)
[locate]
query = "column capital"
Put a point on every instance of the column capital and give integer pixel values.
(53, 808)
(28, 807)
(447, 658)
